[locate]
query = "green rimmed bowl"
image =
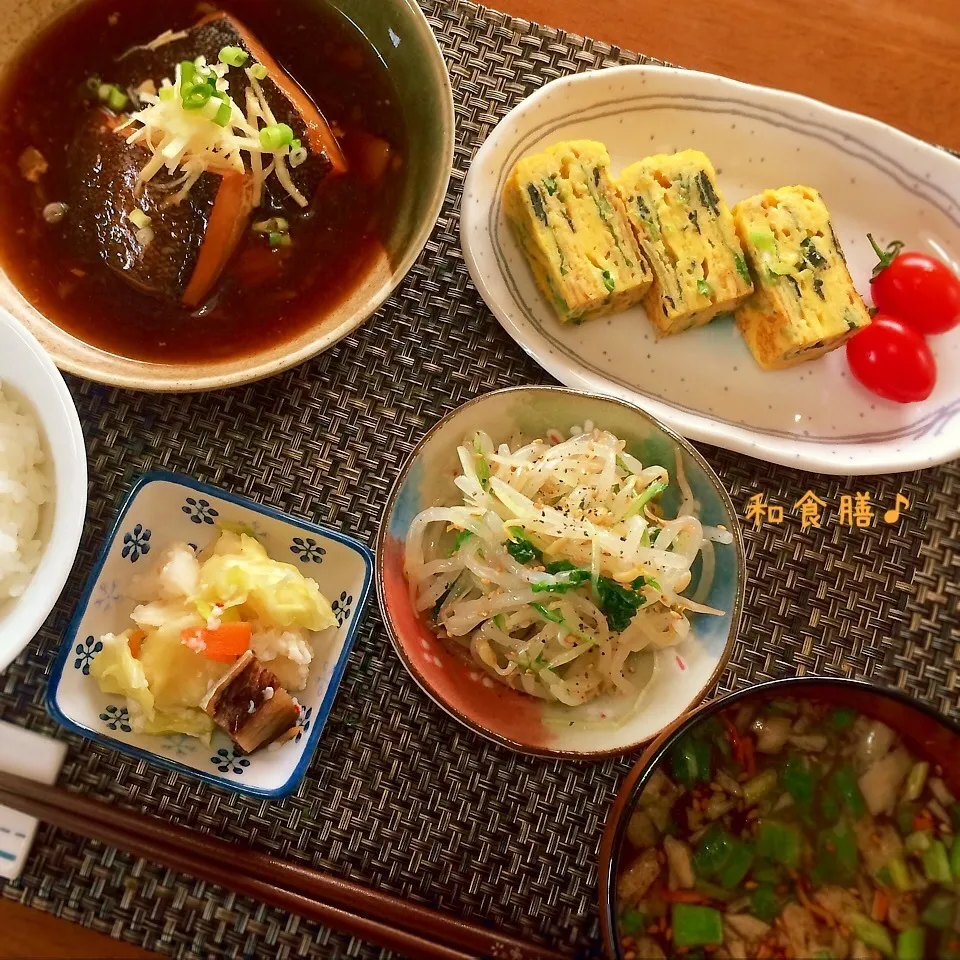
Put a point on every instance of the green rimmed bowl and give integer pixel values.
(399, 32)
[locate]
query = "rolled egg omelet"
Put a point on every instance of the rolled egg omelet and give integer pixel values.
(572, 225)
(686, 231)
(805, 302)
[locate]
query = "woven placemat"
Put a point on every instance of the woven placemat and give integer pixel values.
(400, 796)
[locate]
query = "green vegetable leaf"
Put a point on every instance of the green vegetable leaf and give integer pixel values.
(652, 229)
(618, 604)
(653, 490)
(500, 621)
(708, 196)
(551, 184)
(704, 288)
(522, 550)
(741, 265)
(536, 201)
(550, 615)
(812, 254)
(608, 281)
(462, 537)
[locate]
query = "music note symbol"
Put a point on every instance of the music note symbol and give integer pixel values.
(892, 516)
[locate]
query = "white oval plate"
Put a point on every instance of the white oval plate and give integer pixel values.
(704, 383)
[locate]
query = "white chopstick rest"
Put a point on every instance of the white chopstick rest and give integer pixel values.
(35, 757)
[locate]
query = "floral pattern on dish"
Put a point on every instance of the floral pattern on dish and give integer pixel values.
(152, 519)
(200, 511)
(116, 718)
(230, 760)
(136, 544)
(307, 550)
(85, 652)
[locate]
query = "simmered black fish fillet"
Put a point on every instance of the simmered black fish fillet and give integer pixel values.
(289, 103)
(103, 172)
(194, 239)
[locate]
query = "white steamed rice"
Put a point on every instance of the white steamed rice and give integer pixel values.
(25, 486)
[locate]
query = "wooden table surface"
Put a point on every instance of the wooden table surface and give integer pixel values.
(890, 59)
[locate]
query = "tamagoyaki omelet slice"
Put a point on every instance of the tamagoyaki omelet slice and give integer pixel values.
(573, 228)
(686, 231)
(805, 302)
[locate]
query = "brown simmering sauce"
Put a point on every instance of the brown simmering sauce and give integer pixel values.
(266, 294)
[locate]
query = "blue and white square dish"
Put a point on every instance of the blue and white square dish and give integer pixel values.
(163, 509)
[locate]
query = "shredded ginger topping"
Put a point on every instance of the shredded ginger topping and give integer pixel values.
(193, 126)
(558, 571)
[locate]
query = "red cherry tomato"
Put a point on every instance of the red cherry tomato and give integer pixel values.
(921, 290)
(892, 360)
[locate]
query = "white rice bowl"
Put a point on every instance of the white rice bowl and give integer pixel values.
(26, 486)
(43, 486)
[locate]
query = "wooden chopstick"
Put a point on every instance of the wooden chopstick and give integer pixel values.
(362, 927)
(382, 918)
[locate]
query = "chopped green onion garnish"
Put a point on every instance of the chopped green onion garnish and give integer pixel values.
(873, 934)
(936, 863)
(295, 145)
(911, 944)
(280, 240)
(167, 93)
(258, 71)
(197, 95)
(223, 115)
(118, 100)
(188, 71)
(632, 922)
(764, 240)
(233, 56)
(694, 925)
(276, 137)
(112, 96)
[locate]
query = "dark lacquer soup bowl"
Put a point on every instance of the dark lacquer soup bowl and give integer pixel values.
(860, 803)
(211, 272)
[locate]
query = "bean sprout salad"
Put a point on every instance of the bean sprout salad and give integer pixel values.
(559, 572)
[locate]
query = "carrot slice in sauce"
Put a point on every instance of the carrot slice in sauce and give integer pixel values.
(228, 221)
(319, 135)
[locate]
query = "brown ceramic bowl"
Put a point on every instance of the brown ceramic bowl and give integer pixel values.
(925, 731)
(423, 86)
